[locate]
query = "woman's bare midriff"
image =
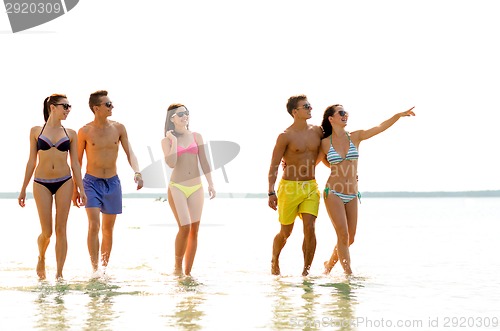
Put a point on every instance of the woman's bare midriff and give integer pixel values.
(343, 178)
(52, 165)
(186, 172)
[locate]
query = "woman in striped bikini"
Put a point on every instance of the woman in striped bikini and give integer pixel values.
(339, 151)
(183, 150)
(53, 180)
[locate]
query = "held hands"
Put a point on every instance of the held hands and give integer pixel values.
(409, 112)
(79, 198)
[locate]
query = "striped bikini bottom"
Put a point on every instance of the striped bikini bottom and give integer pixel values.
(346, 198)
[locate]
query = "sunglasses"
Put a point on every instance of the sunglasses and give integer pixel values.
(181, 113)
(343, 113)
(307, 106)
(65, 105)
(108, 104)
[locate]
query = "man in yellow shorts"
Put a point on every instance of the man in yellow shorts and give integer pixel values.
(298, 195)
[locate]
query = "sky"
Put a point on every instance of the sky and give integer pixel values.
(234, 64)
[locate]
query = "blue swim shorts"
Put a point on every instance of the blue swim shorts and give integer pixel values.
(103, 193)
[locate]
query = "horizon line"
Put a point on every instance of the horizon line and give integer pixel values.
(366, 194)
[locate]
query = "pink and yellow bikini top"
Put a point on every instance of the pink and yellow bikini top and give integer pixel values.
(191, 149)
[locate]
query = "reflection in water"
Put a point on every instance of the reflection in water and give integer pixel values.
(187, 315)
(339, 312)
(51, 311)
(100, 306)
(311, 303)
(308, 311)
(295, 304)
(282, 308)
(100, 313)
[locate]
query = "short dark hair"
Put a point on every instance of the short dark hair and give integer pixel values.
(95, 98)
(293, 101)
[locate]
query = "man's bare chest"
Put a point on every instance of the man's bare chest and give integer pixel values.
(304, 144)
(103, 139)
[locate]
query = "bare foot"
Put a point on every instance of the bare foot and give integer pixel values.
(40, 268)
(328, 268)
(275, 267)
(96, 274)
(305, 272)
(178, 272)
(347, 270)
(346, 266)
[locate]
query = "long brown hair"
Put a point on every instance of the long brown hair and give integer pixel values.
(169, 125)
(326, 125)
(51, 100)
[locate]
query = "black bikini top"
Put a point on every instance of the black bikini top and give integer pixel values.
(44, 143)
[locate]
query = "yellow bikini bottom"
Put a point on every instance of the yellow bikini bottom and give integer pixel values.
(187, 190)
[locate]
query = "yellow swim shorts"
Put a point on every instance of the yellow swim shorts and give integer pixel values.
(296, 198)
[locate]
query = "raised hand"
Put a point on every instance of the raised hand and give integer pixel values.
(409, 112)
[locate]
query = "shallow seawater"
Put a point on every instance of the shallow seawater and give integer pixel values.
(419, 264)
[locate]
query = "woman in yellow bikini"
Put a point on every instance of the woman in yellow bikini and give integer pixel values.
(183, 150)
(339, 151)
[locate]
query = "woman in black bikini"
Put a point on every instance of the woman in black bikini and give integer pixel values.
(50, 144)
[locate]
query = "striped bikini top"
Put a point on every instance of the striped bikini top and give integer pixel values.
(334, 157)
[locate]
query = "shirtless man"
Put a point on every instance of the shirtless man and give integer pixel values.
(100, 140)
(298, 193)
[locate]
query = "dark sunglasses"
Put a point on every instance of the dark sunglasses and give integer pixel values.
(108, 104)
(182, 113)
(65, 105)
(306, 106)
(343, 113)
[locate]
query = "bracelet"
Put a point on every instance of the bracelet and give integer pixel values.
(271, 193)
(137, 174)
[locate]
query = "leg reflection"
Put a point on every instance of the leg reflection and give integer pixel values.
(339, 307)
(51, 309)
(187, 314)
(296, 304)
(100, 312)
